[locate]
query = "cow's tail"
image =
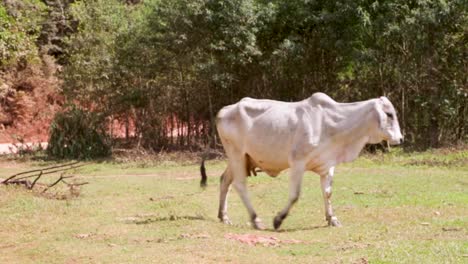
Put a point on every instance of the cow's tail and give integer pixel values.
(204, 178)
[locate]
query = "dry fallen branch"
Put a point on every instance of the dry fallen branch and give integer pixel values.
(42, 170)
(42, 188)
(75, 184)
(56, 182)
(35, 180)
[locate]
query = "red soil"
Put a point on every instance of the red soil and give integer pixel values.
(28, 103)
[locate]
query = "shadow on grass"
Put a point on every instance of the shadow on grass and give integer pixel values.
(299, 229)
(166, 218)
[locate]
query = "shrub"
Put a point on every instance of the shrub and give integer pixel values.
(78, 134)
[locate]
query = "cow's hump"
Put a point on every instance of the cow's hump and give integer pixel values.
(321, 99)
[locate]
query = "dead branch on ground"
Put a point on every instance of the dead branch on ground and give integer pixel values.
(42, 188)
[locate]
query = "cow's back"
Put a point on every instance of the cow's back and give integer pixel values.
(235, 120)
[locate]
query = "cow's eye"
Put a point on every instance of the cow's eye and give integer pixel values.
(389, 115)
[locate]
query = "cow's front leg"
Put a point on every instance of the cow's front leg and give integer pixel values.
(226, 180)
(297, 172)
(326, 182)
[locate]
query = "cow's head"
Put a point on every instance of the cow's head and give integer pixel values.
(389, 128)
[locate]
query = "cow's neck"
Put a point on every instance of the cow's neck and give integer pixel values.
(349, 126)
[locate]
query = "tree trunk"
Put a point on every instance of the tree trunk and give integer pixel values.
(212, 121)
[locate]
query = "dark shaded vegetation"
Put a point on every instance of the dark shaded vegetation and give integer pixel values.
(78, 134)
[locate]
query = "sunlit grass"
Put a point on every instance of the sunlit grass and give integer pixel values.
(393, 211)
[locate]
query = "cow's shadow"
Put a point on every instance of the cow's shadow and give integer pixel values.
(170, 218)
(298, 229)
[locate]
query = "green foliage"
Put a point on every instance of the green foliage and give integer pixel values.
(20, 24)
(413, 53)
(91, 63)
(78, 134)
(158, 60)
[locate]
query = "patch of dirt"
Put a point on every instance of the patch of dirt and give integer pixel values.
(167, 240)
(451, 229)
(352, 246)
(91, 236)
(266, 241)
(378, 193)
(361, 261)
(195, 236)
(4, 246)
(166, 197)
(432, 162)
(84, 236)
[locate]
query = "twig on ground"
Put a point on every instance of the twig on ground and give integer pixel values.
(56, 182)
(75, 184)
(50, 172)
(35, 180)
(73, 187)
(41, 170)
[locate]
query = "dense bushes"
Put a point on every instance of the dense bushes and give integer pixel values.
(167, 66)
(78, 134)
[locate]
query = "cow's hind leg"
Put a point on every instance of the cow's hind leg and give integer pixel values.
(326, 182)
(295, 181)
(226, 180)
(239, 175)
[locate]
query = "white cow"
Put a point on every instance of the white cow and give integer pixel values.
(315, 134)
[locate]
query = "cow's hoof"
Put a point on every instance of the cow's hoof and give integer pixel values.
(333, 221)
(257, 224)
(277, 221)
(226, 220)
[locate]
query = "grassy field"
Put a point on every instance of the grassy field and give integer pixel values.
(397, 208)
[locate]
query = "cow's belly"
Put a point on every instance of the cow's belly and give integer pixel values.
(270, 156)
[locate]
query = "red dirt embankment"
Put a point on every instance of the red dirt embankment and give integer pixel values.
(28, 101)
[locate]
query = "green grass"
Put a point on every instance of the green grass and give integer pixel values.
(393, 210)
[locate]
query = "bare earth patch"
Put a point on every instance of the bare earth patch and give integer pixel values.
(266, 241)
